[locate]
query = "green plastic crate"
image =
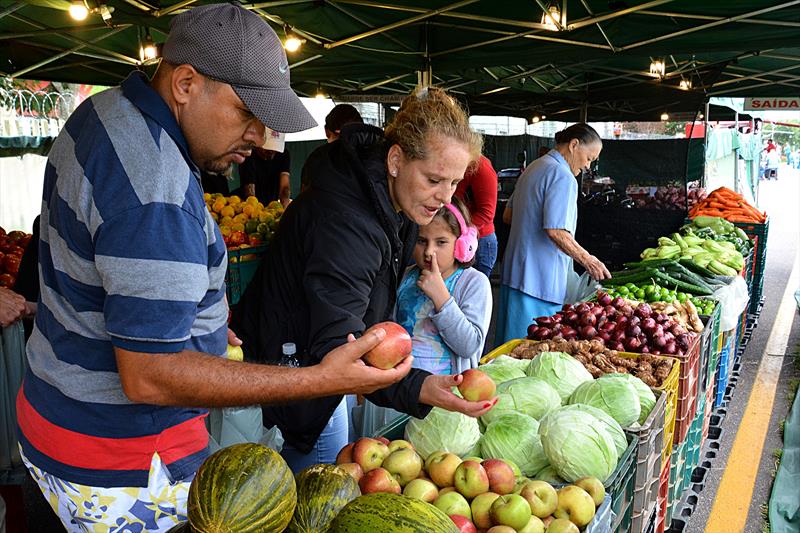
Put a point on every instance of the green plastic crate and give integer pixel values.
(242, 266)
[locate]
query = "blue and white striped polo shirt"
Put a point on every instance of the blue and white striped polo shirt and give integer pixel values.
(130, 258)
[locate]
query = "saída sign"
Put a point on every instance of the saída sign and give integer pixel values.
(772, 103)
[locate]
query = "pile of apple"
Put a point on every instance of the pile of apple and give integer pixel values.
(479, 495)
(12, 246)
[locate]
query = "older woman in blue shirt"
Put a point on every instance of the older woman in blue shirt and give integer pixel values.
(541, 245)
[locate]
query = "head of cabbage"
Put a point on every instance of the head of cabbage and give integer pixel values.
(500, 373)
(612, 426)
(613, 395)
(532, 396)
(507, 360)
(577, 444)
(647, 399)
(443, 430)
(562, 371)
(515, 437)
(550, 475)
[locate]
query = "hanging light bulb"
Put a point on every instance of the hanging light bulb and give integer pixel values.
(664, 116)
(320, 95)
(550, 18)
(149, 50)
(657, 67)
(543, 117)
(700, 116)
(685, 84)
(78, 10)
(292, 43)
(535, 119)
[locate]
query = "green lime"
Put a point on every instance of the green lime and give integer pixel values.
(681, 297)
(623, 291)
(640, 294)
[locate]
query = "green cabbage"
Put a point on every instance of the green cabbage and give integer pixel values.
(560, 370)
(502, 372)
(532, 396)
(612, 426)
(507, 360)
(515, 437)
(505, 404)
(647, 399)
(443, 430)
(577, 444)
(550, 475)
(613, 395)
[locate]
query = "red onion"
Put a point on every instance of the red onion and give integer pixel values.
(543, 334)
(587, 332)
(545, 321)
(604, 299)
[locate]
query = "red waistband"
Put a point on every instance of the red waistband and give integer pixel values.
(102, 453)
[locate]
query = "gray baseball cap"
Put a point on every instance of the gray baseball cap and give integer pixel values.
(233, 45)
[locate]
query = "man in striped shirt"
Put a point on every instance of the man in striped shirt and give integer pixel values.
(132, 318)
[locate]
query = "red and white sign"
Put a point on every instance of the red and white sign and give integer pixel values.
(772, 103)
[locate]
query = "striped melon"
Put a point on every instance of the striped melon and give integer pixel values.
(322, 491)
(391, 513)
(242, 489)
(183, 527)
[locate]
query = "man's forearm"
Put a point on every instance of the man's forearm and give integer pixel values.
(195, 379)
(567, 244)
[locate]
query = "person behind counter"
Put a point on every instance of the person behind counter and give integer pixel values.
(265, 174)
(541, 244)
(339, 254)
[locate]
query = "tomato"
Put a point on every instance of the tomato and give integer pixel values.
(11, 264)
(2, 231)
(254, 239)
(237, 238)
(6, 280)
(16, 235)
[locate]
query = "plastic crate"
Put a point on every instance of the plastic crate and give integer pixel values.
(710, 395)
(603, 518)
(663, 497)
(645, 521)
(669, 386)
(724, 366)
(694, 441)
(648, 462)
(242, 266)
(687, 390)
(758, 233)
(676, 471)
(707, 346)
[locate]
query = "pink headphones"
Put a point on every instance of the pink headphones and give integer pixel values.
(467, 244)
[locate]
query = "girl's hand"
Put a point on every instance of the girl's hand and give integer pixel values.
(432, 284)
(437, 391)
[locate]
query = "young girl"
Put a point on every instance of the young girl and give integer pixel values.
(444, 304)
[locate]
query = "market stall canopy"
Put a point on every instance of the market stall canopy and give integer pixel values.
(503, 58)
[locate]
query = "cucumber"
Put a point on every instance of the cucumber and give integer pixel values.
(669, 281)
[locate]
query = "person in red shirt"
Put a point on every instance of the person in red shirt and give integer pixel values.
(478, 190)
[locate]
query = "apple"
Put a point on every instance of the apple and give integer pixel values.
(541, 496)
(480, 507)
(446, 490)
(383, 440)
(421, 489)
(547, 519)
(423, 475)
(575, 505)
(345, 455)
(399, 444)
(234, 353)
(442, 469)
(501, 529)
(501, 476)
(453, 503)
(354, 469)
(404, 465)
(476, 386)
(463, 524)
(594, 487)
(395, 347)
(379, 480)
(511, 510)
(534, 525)
(369, 453)
(473, 458)
(561, 525)
(470, 479)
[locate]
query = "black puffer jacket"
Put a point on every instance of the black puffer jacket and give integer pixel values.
(333, 268)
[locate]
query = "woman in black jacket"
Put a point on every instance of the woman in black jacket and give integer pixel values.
(335, 263)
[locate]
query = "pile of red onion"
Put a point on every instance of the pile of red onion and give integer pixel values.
(620, 326)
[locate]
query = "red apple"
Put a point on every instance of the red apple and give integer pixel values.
(501, 476)
(404, 465)
(463, 524)
(480, 507)
(395, 347)
(345, 455)
(476, 386)
(369, 453)
(354, 469)
(442, 468)
(421, 489)
(379, 480)
(470, 479)
(383, 440)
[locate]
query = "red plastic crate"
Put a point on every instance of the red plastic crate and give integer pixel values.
(687, 390)
(661, 505)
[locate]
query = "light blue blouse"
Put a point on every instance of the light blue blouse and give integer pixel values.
(545, 197)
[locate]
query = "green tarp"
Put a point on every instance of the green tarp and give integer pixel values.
(784, 504)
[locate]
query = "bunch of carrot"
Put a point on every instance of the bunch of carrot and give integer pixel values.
(729, 205)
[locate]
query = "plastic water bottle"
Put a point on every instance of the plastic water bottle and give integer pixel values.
(289, 355)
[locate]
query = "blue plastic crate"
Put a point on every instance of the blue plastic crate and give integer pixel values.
(724, 367)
